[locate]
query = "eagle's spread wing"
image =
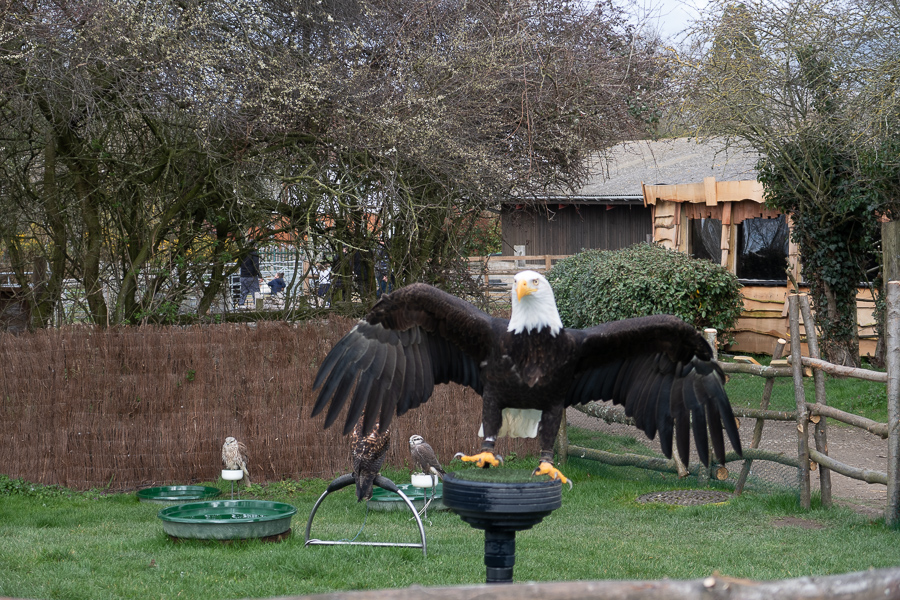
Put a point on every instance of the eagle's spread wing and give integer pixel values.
(413, 339)
(661, 369)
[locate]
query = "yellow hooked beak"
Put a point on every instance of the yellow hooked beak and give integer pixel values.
(524, 288)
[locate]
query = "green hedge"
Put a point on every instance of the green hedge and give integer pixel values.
(598, 286)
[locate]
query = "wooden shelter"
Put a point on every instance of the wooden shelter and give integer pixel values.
(726, 221)
(696, 196)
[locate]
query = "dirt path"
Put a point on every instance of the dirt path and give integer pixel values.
(847, 444)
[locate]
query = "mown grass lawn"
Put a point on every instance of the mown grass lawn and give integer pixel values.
(62, 545)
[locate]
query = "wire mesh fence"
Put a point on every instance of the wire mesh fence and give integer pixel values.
(765, 476)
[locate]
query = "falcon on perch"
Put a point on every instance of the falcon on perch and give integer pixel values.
(367, 455)
(424, 457)
(234, 455)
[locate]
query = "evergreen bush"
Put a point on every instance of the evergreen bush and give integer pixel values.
(598, 286)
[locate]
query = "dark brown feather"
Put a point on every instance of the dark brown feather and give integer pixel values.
(367, 457)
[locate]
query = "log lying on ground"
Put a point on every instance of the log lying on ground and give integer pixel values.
(612, 413)
(606, 411)
(862, 585)
(655, 463)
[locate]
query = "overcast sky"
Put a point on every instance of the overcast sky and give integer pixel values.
(671, 16)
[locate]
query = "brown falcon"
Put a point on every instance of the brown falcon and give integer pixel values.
(424, 457)
(367, 455)
(234, 455)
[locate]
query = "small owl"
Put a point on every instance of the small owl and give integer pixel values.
(234, 455)
(424, 457)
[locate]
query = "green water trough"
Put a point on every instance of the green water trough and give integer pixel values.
(178, 494)
(227, 519)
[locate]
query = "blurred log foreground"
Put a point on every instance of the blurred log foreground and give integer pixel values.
(863, 585)
(130, 407)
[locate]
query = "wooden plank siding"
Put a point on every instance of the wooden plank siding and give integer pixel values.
(571, 228)
(765, 319)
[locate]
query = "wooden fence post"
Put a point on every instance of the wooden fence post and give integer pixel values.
(710, 334)
(820, 436)
(892, 360)
(758, 427)
(800, 397)
(561, 447)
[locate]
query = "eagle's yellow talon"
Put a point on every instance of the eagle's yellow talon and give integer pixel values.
(484, 459)
(546, 468)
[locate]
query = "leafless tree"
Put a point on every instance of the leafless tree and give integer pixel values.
(145, 143)
(810, 86)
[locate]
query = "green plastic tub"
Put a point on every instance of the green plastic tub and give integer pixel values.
(227, 519)
(178, 494)
(385, 500)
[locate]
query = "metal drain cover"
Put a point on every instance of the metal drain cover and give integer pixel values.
(685, 497)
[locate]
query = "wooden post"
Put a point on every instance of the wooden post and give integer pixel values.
(758, 427)
(890, 245)
(892, 361)
(710, 334)
(800, 397)
(812, 342)
(562, 441)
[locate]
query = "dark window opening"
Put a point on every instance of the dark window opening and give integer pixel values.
(763, 249)
(706, 239)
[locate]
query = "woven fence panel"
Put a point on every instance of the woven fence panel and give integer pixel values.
(130, 407)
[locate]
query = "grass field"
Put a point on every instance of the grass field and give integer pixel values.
(58, 544)
(63, 544)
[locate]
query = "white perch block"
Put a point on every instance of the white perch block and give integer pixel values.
(232, 474)
(421, 480)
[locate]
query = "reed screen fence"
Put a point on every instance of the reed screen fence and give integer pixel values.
(131, 407)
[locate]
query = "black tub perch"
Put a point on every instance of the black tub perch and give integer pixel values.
(501, 502)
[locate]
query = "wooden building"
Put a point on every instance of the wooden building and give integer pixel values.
(699, 197)
(570, 227)
(607, 213)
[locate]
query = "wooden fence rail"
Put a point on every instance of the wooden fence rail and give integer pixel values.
(862, 585)
(498, 271)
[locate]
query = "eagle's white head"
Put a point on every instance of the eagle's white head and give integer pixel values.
(533, 305)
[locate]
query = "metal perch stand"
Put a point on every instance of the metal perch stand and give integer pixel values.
(419, 481)
(382, 482)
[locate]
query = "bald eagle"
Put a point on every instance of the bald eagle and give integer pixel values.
(659, 367)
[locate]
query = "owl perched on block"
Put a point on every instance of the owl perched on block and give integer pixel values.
(234, 455)
(424, 457)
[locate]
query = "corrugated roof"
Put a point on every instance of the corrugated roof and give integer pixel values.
(672, 161)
